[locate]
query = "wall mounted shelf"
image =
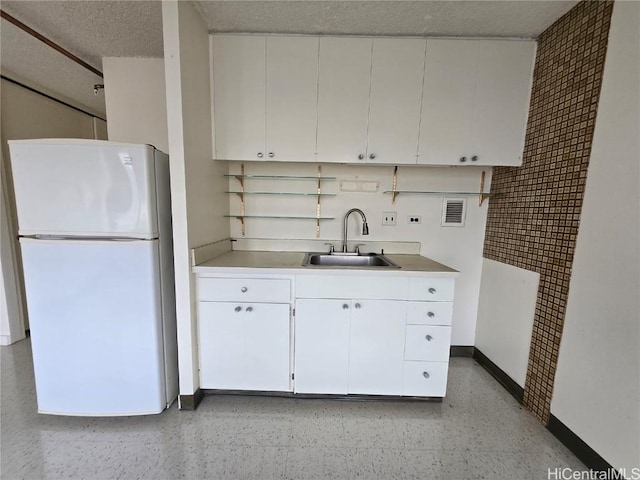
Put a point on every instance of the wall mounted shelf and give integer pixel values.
(242, 177)
(395, 192)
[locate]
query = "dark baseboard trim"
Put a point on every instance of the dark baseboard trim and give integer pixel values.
(578, 447)
(190, 402)
(461, 351)
(505, 380)
(325, 396)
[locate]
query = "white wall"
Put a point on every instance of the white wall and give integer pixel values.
(457, 247)
(135, 99)
(196, 180)
(597, 384)
(25, 114)
(505, 316)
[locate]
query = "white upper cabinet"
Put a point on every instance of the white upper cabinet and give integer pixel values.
(343, 99)
(239, 93)
(292, 96)
(265, 97)
(475, 102)
(394, 105)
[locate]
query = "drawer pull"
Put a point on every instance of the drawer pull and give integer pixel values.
(244, 289)
(431, 314)
(428, 337)
(345, 306)
(425, 374)
(358, 305)
(238, 309)
(432, 290)
(249, 309)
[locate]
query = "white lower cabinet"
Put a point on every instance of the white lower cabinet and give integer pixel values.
(424, 379)
(376, 347)
(244, 346)
(322, 346)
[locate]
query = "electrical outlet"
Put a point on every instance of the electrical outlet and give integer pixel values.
(389, 218)
(414, 219)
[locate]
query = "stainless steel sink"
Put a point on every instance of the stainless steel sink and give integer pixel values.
(366, 260)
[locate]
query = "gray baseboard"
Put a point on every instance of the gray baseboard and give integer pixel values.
(190, 402)
(505, 380)
(461, 351)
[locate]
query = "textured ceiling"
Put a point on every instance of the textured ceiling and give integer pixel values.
(469, 18)
(92, 29)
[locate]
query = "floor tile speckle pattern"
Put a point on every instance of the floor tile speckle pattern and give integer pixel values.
(478, 432)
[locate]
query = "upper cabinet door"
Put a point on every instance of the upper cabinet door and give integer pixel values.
(503, 86)
(292, 96)
(397, 73)
(239, 96)
(343, 99)
(447, 102)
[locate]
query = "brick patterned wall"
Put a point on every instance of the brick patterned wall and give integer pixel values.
(534, 221)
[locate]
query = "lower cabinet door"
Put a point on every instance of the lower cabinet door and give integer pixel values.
(377, 347)
(424, 379)
(244, 346)
(221, 336)
(266, 345)
(322, 346)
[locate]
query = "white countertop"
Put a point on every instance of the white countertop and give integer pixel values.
(271, 263)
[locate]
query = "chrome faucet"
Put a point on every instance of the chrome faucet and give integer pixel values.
(365, 227)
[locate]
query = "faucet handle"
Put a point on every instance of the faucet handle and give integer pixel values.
(331, 247)
(358, 245)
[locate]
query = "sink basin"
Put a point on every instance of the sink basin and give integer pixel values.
(365, 260)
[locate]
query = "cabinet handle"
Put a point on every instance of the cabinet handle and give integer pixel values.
(358, 305)
(372, 156)
(238, 309)
(361, 156)
(463, 159)
(271, 155)
(250, 309)
(345, 306)
(425, 374)
(428, 337)
(474, 158)
(244, 289)
(431, 314)
(260, 155)
(432, 290)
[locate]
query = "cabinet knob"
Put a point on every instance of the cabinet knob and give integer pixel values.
(431, 314)
(463, 159)
(250, 309)
(271, 154)
(244, 289)
(372, 156)
(238, 309)
(474, 158)
(428, 337)
(345, 306)
(361, 156)
(260, 155)
(425, 374)
(432, 290)
(358, 306)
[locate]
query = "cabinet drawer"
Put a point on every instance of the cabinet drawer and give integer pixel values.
(365, 288)
(424, 379)
(427, 342)
(429, 313)
(433, 289)
(244, 290)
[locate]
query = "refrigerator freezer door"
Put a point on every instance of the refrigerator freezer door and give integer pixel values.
(96, 326)
(85, 188)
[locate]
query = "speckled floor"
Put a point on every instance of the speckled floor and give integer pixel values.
(478, 432)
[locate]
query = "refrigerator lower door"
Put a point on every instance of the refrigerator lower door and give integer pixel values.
(96, 326)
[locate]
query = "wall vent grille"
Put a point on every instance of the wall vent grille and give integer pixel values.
(453, 212)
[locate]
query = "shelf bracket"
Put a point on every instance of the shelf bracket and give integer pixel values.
(483, 196)
(242, 206)
(394, 188)
(319, 191)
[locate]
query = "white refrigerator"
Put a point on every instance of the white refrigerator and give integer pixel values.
(94, 220)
